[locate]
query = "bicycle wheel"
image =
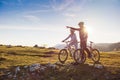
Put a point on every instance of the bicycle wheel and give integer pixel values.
(63, 55)
(95, 55)
(79, 57)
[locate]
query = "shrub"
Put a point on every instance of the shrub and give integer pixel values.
(35, 46)
(8, 46)
(11, 52)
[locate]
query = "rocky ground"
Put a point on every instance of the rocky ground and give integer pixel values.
(59, 71)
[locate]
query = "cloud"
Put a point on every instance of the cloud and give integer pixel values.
(61, 6)
(20, 1)
(37, 11)
(71, 15)
(4, 2)
(32, 28)
(32, 18)
(11, 3)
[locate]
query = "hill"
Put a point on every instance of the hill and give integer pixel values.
(108, 46)
(100, 46)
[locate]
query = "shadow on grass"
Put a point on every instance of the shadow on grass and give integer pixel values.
(2, 59)
(50, 52)
(45, 55)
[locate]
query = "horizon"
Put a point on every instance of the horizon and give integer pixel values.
(42, 22)
(44, 45)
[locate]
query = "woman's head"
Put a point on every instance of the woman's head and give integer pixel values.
(72, 31)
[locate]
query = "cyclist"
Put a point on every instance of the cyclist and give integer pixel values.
(73, 40)
(83, 35)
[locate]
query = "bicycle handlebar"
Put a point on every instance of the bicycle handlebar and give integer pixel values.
(77, 42)
(91, 42)
(69, 41)
(66, 41)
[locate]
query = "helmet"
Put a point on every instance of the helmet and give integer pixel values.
(71, 30)
(81, 23)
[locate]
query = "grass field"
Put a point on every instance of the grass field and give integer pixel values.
(22, 56)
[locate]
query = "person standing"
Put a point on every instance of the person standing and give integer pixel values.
(83, 35)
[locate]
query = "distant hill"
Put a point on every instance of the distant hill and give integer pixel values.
(100, 46)
(108, 46)
(103, 46)
(59, 46)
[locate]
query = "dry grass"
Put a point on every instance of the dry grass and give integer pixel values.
(18, 56)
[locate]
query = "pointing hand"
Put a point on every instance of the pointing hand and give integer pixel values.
(67, 27)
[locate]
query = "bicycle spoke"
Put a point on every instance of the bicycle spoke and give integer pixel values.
(79, 57)
(62, 56)
(95, 55)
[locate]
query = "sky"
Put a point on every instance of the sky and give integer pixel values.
(42, 22)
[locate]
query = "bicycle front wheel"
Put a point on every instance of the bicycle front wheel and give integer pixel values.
(63, 55)
(95, 55)
(79, 56)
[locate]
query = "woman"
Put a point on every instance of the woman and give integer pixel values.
(73, 40)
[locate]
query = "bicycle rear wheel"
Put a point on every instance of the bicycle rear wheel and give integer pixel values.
(79, 56)
(95, 55)
(63, 55)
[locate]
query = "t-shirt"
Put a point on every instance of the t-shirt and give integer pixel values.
(83, 34)
(72, 37)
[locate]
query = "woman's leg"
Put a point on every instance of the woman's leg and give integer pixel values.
(76, 45)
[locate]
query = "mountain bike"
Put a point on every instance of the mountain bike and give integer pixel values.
(80, 54)
(63, 54)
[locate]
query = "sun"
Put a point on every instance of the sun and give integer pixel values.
(89, 30)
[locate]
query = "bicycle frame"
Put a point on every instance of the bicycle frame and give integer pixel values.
(90, 47)
(68, 48)
(95, 54)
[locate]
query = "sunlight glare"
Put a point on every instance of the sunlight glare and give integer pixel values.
(89, 30)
